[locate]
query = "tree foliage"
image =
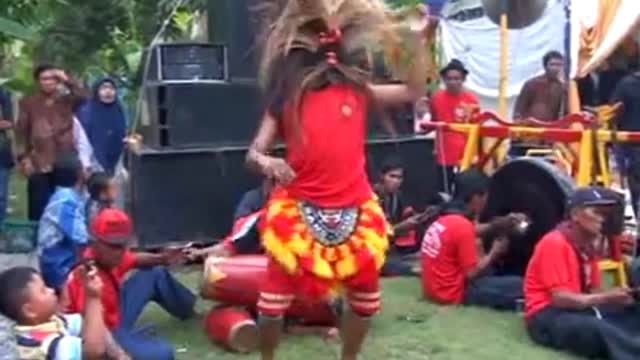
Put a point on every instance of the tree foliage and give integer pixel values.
(90, 38)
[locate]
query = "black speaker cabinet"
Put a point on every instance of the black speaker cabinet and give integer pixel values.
(187, 195)
(233, 22)
(187, 63)
(203, 114)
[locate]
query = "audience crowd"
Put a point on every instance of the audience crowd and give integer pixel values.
(69, 144)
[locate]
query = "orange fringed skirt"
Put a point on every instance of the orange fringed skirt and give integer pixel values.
(322, 268)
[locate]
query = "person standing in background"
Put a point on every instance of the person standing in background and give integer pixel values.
(6, 153)
(627, 93)
(453, 104)
(45, 131)
(542, 98)
(105, 124)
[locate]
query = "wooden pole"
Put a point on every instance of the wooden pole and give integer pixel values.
(504, 60)
(503, 109)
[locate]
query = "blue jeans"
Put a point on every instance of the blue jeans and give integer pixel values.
(497, 292)
(5, 175)
(158, 285)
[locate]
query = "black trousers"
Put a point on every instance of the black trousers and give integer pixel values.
(40, 187)
(612, 335)
(628, 159)
(445, 178)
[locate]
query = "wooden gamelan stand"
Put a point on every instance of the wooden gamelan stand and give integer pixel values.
(577, 144)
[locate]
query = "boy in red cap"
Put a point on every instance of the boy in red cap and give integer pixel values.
(123, 301)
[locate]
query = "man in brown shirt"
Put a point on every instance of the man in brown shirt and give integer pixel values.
(541, 98)
(45, 131)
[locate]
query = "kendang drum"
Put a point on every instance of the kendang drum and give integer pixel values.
(232, 328)
(236, 281)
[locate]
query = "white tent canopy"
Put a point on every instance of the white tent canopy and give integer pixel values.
(470, 36)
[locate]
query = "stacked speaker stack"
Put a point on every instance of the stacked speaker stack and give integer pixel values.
(202, 109)
(205, 94)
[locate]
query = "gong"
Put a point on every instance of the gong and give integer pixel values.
(521, 13)
(536, 188)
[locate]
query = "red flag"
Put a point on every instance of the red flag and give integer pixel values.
(241, 227)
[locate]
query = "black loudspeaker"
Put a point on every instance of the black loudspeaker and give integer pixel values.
(232, 22)
(206, 114)
(187, 62)
(185, 195)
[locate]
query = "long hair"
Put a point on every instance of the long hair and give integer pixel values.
(295, 58)
(301, 70)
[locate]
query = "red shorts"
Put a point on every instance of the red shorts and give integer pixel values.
(279, 289)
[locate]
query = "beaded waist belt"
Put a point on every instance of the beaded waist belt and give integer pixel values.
(331, 227)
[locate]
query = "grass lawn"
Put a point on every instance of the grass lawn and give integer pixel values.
(445, 334)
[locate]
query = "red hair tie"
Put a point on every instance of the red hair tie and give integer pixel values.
(332, 36)
(332, 58)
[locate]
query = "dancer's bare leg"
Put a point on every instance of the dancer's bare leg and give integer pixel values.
(353, 332)
(270, 329)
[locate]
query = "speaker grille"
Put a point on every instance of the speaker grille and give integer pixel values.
(188, 62)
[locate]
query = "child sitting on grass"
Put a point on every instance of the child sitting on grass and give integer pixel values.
(43, 334)
(103, 193)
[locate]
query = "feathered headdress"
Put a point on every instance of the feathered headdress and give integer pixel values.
(338, 30)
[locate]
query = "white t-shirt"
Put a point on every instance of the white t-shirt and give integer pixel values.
(70, 345)
(58, 339)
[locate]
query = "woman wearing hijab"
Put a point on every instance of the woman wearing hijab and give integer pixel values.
(104, 121)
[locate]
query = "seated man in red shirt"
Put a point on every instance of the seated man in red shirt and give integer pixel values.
(453, 104)
(452, 270)
(123, 301)
(565, 308)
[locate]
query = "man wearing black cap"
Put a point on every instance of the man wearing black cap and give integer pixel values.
(565, 308)
(452, 270)
(453, 104)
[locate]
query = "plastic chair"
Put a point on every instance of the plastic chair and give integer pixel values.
(619, 270)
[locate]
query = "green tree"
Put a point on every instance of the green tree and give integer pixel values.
(89, 38)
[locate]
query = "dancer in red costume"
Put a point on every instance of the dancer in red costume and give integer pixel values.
(323, 229)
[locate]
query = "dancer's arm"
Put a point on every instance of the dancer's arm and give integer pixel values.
(257, 158)
(415, 87)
